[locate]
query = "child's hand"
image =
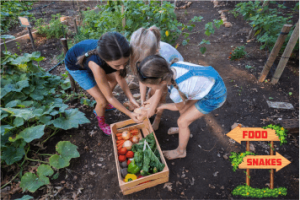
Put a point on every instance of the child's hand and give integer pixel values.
(134, 103)
(146, 102)
(136, 117)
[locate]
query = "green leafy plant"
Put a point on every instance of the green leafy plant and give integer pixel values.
(280, 132)
(266, 22)
(109, 18)
(19, 46)
(32, 182)
(11, 10)
(237, 158)
(53, 29)
(240, 90)
(237, 53)
(32, 109)
(4, 37)
(87, 102)
(247, 191)
(249, 67)
(65, 75)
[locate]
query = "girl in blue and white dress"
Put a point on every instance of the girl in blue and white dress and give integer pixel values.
(195, 90)
(143, 43)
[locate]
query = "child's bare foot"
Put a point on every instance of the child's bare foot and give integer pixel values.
(173, 130)
(174, 154)
(155, 124)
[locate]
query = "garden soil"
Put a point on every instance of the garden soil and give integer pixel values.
(206, 172)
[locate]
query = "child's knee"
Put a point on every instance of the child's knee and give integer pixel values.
(182, 123)
(101, 102)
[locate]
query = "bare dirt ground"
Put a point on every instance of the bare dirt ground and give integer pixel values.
(206, 172)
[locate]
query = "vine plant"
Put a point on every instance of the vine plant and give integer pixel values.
(32, 111)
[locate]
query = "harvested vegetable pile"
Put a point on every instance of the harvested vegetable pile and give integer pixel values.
(140, 159)
(146, 156)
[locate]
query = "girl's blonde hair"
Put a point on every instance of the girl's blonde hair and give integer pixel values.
(154, 69)
(143, 43)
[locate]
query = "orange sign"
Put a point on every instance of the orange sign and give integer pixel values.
(240, 134)
(264, 162)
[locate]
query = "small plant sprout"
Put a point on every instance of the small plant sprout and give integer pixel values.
(238, 52)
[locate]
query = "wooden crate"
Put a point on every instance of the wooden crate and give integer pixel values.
(154, 179)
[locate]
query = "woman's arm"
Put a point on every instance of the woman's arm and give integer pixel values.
(154, 101)
(123, 84)
(103, 85)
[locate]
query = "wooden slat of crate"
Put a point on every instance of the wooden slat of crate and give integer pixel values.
(147, 185)
(155, 179)
(138, 126)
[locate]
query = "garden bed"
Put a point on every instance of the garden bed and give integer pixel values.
(206, 172)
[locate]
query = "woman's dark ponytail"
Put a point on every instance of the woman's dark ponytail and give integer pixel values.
(81, 59)
(111, 46)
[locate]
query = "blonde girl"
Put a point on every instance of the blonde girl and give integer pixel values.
(98, 66)
(146, 42)
(195, 90)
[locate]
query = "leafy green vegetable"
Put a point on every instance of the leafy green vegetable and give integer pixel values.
(146, 162)
(140, 145)
(138, 158)
(146, 155)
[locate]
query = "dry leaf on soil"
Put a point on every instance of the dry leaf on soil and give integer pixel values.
(168, 186)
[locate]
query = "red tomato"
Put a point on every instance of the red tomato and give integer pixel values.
(129, 161)
(122, 158)
(129, 154)
(122, 151)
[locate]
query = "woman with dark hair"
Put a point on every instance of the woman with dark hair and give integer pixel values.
(98, 66)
